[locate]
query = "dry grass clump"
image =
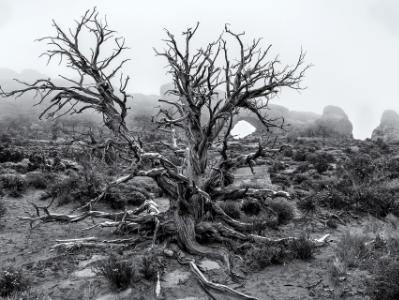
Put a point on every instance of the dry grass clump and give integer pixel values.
(352, 249)
(283, 209)
(37, 180)
(232, 209)
(260, 257)
(119, 273)
(302, 248)
(10, 155)
(251, 207)
(150, 266)
(75, 187)
(308, 204)
(385, 284)
(13, 183)
(28, 294)
(12, 280)
(3, 208)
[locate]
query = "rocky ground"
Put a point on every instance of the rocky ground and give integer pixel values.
(60, 273)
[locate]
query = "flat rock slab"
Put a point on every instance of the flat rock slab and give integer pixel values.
(207, 265)
(193, 298)
(85, 273)
(116, 296)
(93, 259)
(175, 278)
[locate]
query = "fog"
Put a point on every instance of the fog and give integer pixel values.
(352, 45)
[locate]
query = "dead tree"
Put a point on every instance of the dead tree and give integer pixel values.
(207, 82)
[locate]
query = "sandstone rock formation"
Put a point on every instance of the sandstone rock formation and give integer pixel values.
(388, 130)
(334, 122)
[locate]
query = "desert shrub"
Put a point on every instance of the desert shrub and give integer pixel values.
(302, 248)
(120, 196)
(37, 180)
(146, 186)
(302, 168)
(288, 152)
(150, 266)
(392, 166)
(299, 178)
(337, 269)
(375, 200)
(321, 166)
(36, 159)
(320, 161)
(75, 187)
(385, 284)
(10, 155)
(335, 199)
(280, 179)
(3, 209)
(251, 206)
(12, 280)
(258, 258)
(361, 166)
(351, 249)
(65, 189)
(283, 209)
(119, 273)
(15, 184)
(232, 209)
(299, 155)
(276, 167)
(28, 294)
(5, 139)
(308, 204)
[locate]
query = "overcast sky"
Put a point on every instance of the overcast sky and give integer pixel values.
(353, 44)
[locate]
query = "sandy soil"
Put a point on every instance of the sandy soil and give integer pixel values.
(70, 275)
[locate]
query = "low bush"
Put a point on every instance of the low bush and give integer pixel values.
(37, 180)
(276, 167)
(299, 178)
(119, 273)
(2, 207)
(258, 258)
(302, 248)
(280, 179)
(385, 284)
(375, 200)
(150, 266)
(29, 294)
(351, 249)
(299, 155)
(251, 206)
(10, 155)
(283, 209)
(12, 280)
(335, 199)
(308, 204)
(75, 187)
(13, 183)
(232, 209)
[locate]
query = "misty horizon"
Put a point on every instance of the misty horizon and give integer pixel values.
(350, 45)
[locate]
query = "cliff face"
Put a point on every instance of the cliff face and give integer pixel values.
(388, 130)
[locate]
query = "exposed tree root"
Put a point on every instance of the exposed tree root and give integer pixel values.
(209, 285)
(186, 232)
(93, 242)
